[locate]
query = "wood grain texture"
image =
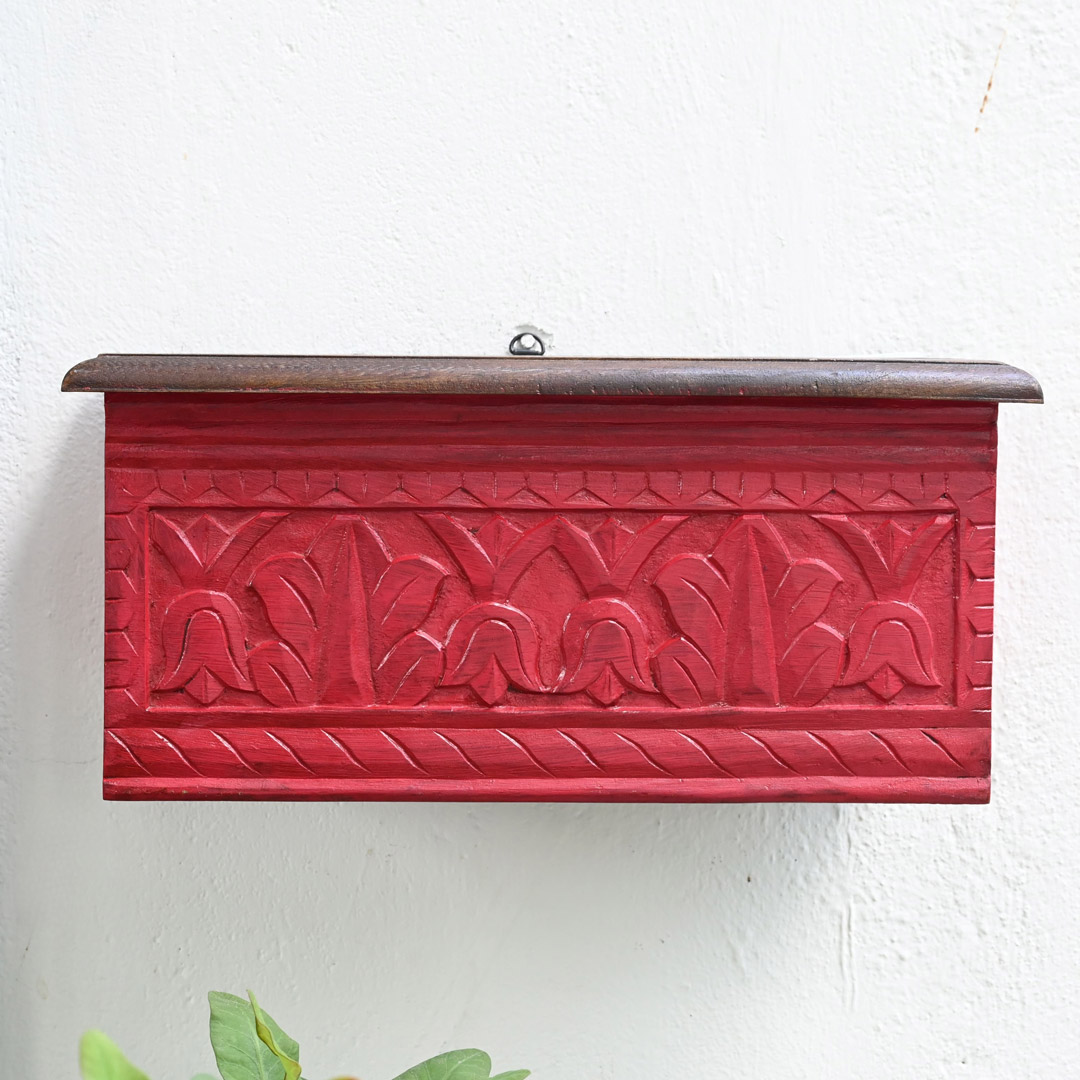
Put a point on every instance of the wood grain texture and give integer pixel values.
(907, 379)
(414, 597)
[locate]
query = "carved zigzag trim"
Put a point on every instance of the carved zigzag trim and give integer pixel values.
(568, 489)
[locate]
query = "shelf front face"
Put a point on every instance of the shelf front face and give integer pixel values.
(409, 597)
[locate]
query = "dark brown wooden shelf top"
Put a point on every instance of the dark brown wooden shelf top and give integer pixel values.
(943, 380)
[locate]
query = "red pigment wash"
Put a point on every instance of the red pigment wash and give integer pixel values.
(640, 592)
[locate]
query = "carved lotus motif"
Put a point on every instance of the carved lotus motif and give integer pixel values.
(491, 647)
(607, 651)
(204, 646)
(890, 646)
(890, 643)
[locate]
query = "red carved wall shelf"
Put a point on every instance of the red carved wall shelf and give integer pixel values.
(711, 580)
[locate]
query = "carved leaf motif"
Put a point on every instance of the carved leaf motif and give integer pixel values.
(804, 594)
(186, 557)
(777, 652)
(606, 649)
(750, 675)
(280, 676)
(293, 595)
(494, 559)
(405, 594)
(574, 544)
(344, 668)
(411, 669)
(914, 550)
(491, 647)
(771, 552)
(583, 555)
(202, 635)
(891, 556)
(685, 677)
(890, 646)
(628, 559)
(325, 548)
(811, 666)
(698, 598)
(206, 552)
(467, 550)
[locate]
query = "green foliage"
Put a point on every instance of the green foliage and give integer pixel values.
(459, 1065)
(288, 1056)
(240, 1051)
(100, 1059)
(249, 1045)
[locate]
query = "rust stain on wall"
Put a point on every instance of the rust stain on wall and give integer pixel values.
(997, 59)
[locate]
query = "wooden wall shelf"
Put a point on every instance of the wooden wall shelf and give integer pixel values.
(537, 579)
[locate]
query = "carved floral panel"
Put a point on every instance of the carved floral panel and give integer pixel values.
(319, 609)
(362, 608)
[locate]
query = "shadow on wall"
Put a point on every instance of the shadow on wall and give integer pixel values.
(439, 923)
(51, 724)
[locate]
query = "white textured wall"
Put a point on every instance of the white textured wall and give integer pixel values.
(696, 177)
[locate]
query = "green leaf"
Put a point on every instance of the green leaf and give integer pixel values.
(290, 1065)
(240, 1053)
(456, 1065)
(100, 1059)
(459, 1065)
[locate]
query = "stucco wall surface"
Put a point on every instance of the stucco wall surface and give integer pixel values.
(754, 177)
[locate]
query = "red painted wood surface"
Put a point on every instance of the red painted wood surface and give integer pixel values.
(467, 598)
